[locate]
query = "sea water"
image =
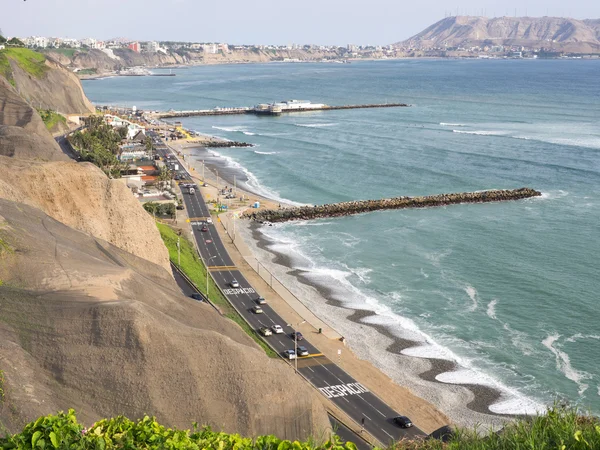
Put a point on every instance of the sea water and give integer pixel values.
(509, 291)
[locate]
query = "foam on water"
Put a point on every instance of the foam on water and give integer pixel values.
(315, 125)
(563, 363)
(481, 133)
(472, 293)
(265, 153)
(253, 183)
(491, 309)
(444, 124)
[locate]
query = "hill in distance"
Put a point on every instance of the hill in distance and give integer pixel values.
(551, 33)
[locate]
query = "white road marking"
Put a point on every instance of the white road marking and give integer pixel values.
(392, 437)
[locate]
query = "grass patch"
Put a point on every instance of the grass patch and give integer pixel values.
(51, 118)
(31, 62)
(68, 52)
(194, 268)
(5, 69)
(87, 71)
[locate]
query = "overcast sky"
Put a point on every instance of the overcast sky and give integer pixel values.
(375, 22)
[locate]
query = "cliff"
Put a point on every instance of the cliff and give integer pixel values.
(102, 61)
(86, 325)
(558, 33)
(90, 316)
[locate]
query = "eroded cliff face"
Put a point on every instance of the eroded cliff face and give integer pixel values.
(90, 316)
(86, 325)
(79, 195)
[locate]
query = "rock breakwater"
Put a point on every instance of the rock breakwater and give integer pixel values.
(362, 206)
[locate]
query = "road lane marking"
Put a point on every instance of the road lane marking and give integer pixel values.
(312, 355)
(367, 417)
(237, 291)
(392, 437)
(342, 390)
(222, 268)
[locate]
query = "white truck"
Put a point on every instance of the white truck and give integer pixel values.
(176, 167)
(192, 191)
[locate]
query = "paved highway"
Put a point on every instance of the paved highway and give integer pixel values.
(343, 390)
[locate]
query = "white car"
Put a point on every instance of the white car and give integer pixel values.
(257, 310)
(265, 331)
(234, 284)
(261, 300)
(289, 354)
(277, 329)
(209, 220)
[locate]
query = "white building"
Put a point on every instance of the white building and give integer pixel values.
(2, 47)
(89, 42)
(40, 41)
(211, 49)
(299, 104)
(73, 43)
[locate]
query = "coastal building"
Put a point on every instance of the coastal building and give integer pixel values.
(135, 46)
(2, 47)
(211, 49)
(117, 122)
(89, 42)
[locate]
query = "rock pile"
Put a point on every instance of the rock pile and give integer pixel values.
(362, 206)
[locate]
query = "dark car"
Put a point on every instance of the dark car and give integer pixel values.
(302, 351)
(297, 335)
(204, 228)
(179, 207)
(197, 296)
(402, 421)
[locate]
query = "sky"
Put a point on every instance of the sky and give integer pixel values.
(323, 22)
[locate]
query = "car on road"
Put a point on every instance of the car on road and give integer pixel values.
(277, 329)
(209, 220)
(261, 300)
(289, 354)
(257, 309)
(234, 283)
(296, 335)
(302, 351)
(204, 228)
(402, 421)
(197, 296)
(265, 331)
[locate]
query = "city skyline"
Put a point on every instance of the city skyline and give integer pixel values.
(381, 22)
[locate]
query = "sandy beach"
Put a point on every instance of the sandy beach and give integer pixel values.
(371, 353)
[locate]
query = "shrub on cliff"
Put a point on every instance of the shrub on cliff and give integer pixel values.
(62, 431)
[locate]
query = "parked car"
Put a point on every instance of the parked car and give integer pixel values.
(289, 354)
(402, 421)
(234, 283)
(302, 351)
(197, 296)
(277, 329)
(257, 309)
(265, 331)
(296, 335)
(179, 206)
(261, 300)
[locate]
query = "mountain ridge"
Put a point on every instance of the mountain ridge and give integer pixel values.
(558, 33)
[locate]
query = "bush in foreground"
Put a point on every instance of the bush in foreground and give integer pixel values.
(62, 431)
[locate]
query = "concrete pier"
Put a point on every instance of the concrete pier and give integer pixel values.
(362, 206)
(250, 110)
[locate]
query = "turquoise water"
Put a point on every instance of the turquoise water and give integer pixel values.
(509, 291)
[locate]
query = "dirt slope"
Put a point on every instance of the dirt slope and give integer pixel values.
(58, 89)
(22, 132)
(85, 324)
(82, 197)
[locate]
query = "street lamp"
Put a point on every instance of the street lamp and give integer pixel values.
(207, 261)
(296, 343)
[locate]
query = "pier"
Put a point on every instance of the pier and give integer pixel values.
(362, 206)
(271, 110)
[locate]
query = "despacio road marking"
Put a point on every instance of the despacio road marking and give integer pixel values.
(342, 390)
(239, 291)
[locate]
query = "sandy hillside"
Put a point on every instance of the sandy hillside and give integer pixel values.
(86, 325)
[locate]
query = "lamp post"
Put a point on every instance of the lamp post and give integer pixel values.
(207, 261)
(296, 343)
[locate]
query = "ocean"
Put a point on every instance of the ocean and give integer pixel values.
(493, 302)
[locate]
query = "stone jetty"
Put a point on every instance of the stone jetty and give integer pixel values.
(362, 206)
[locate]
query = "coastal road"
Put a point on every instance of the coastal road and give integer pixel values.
(333, 382)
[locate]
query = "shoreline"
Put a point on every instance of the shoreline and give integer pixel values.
(473, 399)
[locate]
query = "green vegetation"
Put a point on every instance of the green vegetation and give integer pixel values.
(559, 429)
(1, 378)
(194, 268)
(68, 52)
(87, 71)
(160, 209)
(51, 118)
(31, 62)
(99, 144)
(63, 431)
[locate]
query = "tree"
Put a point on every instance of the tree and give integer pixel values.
(164, 177)
(16, 42)
(2, 38)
